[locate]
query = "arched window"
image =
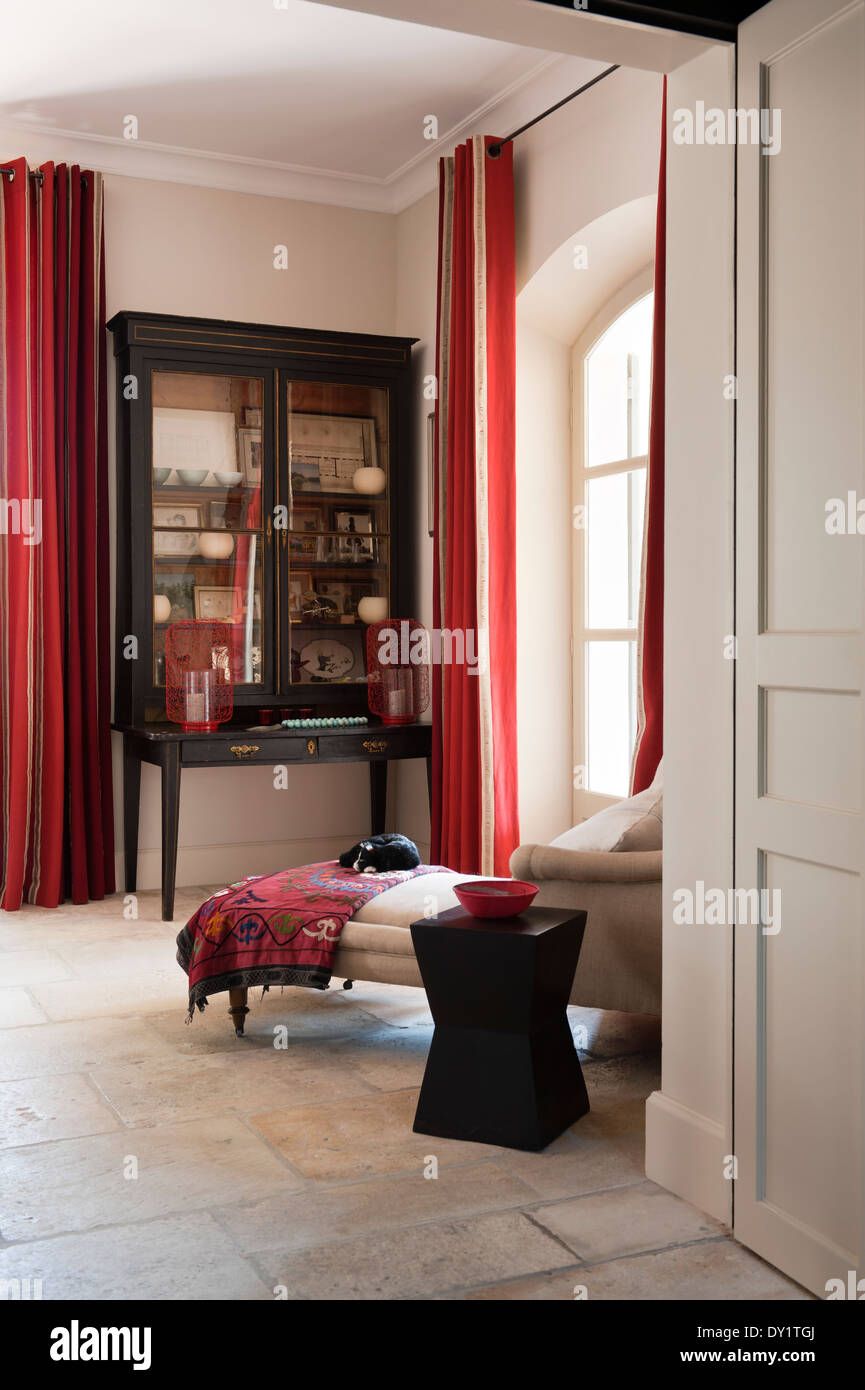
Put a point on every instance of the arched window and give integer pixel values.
(612, 375)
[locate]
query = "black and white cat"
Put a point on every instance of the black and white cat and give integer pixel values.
(381, 854)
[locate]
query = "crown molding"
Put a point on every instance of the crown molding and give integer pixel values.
(550, 79)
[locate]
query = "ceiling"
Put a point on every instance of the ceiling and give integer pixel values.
(306, 100)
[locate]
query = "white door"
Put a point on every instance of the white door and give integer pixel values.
(799, 1011)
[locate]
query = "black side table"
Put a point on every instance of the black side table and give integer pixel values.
(502, 1066)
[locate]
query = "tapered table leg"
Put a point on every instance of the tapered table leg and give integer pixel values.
(378, 795)
(131, 802)
(170, 824)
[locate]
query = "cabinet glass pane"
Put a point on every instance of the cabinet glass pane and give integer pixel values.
(208, 523)
(338, 541)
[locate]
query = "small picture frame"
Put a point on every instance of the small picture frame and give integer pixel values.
(179, 589)
(215, 602)
(184, 514)
(251, 416)
(250, 456)
(219, 516)
(338, 592)
(324, 659)
(307, 519)
(299, 583)
(175, 544)
(305, 474)
(357, 544)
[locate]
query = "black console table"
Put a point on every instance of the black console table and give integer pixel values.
(169, 748)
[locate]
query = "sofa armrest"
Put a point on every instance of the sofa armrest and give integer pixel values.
(535, 862)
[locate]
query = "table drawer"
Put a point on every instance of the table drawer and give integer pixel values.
(378, 743)
(246, 748)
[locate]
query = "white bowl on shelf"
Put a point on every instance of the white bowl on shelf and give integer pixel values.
(215, 545)
(369, 481)
(228, 479)
(372, 609)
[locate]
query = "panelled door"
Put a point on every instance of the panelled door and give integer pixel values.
(799, 1021)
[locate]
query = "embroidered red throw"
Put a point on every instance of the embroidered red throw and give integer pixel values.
(276, 929)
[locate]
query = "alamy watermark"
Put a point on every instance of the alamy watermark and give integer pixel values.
(714, 126)
(21, 517)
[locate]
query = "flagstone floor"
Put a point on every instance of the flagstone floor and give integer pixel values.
(141, 1157)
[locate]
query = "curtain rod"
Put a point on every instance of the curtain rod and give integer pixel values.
(8, 172)
(495, 150)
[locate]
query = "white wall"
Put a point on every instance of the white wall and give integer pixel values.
(544, 618)
(198, 251)
(689, 1121)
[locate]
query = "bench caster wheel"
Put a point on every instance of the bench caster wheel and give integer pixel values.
(348, 984)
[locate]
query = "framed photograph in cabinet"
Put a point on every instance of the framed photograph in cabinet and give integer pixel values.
(193, 442)
(358, 526)
(327, 660)
(184, 514)
(307, 520)
(179, 589)
(299, 583)
(168, 544)
(250, 456)
(215, 601)
(336, 445)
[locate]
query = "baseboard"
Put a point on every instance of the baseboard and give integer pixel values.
(688, 1154)
(207, 864)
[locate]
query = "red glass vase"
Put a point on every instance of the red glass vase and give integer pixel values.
(199, 694)
(397, 662)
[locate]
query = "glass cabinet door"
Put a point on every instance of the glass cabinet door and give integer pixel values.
(338, 536)
(209, 512)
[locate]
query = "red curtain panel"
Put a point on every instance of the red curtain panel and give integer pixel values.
(475, 821)
(650, 647)
(56, 812)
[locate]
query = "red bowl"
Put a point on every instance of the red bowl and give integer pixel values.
(495, 897)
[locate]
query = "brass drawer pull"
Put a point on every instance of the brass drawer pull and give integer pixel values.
(375, 745)
(244, 750)
(310, 747)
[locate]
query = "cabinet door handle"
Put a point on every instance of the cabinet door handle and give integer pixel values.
(269, 527)
(311, 747)
(375, 745)
(244, 750)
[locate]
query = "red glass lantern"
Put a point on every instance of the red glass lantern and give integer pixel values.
(199, 695)
(397, 663)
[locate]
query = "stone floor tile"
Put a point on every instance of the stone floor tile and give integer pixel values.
(76, 1184)
(419, 1262)
(360, 1137)
(51, 1107)
(624, 1221)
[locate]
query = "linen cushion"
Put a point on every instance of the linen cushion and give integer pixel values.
(633, 824)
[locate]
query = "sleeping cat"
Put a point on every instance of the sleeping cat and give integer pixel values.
(381, 854)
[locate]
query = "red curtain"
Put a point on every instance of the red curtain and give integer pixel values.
(56, 813)
(650, 647)
(475, 823)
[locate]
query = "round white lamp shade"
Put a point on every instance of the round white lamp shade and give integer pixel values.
(369, 480)
(161, 608)
(372, 609)
(216, 545)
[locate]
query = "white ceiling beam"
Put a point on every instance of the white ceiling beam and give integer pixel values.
(578, 33)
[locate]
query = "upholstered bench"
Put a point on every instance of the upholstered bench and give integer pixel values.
(619, 966)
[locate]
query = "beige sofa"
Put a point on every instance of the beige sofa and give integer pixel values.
(620, 962)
